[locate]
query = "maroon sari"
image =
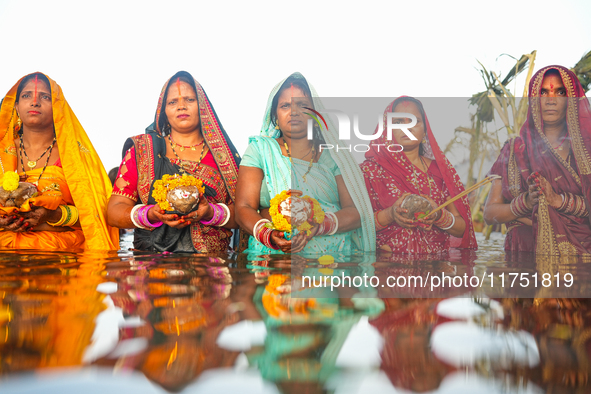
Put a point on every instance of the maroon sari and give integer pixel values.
(552, 232)
(389, 175)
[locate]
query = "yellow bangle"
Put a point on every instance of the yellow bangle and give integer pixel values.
(62, 218)
(72, 217)
(69, 216)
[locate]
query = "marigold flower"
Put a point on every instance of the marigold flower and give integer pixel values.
(10, 181)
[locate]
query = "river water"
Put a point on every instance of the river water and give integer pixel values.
(126, 322)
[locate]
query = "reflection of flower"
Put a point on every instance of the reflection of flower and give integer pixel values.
(278, 302)
(170, 182)
(10, 181)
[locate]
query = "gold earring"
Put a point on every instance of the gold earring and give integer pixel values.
(424, 141)
(277, 127)
(18, 121)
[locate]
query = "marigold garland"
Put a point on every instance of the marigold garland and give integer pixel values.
(280, 222)
(170, 182)
(10, 181)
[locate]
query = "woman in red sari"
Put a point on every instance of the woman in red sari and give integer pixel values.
(421, 168)
(545, 189)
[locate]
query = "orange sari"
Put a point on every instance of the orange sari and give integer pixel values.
(82, 180)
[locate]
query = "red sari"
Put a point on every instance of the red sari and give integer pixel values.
(389, 175)
(552, 232)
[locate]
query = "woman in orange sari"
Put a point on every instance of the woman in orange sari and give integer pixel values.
(43, 142)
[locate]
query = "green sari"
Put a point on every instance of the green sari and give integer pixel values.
(280, 174)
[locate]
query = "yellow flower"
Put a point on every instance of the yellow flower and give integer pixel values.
(279, 221)
(10, 181)
(170, 182)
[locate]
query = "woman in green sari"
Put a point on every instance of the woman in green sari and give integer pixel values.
(282, 158)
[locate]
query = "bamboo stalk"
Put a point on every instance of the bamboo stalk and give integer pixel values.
(466, 192)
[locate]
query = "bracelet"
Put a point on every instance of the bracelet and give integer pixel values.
(519, 207)
(226, 216)
(254, 229)
(264, 235)
(134, 216)
(574, 205)
(379, 225)
(69, 216)
(446, 220)
(329, 225)
(221, 215)
(62, 218)
(143, 217)
(453, 222)
(73, 216)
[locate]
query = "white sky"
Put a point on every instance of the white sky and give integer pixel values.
(112, 57)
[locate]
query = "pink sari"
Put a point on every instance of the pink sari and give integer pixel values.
(389, 175)
(552, 232)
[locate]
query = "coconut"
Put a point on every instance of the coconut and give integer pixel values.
(183, 199)
(414, 204)
(17, 198)
(295, 210)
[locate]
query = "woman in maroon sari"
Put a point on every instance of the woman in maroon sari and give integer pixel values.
(421, 168)
(545, 189)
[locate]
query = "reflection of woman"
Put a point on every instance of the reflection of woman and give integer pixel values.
(545, 191)
(52, 150)
(420, 169)
(283, 158)
(188, 138)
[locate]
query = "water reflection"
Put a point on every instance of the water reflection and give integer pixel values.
(125, 322)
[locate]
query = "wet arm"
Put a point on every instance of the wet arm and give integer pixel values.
(348, 216)
(496, 210)
(248, 192)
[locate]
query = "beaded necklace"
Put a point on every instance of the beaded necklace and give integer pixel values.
(22, 150)
(181, 164)
(183, 147)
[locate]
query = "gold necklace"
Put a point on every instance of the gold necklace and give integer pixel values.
(181, 164)
(36, 183)
(33, 163)
(183, 147)
(311, 160)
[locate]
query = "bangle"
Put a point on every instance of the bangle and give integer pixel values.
(574, 205)
(446, 220)
(519, 207)
(69, 216)
(453, 222)
(254, 229)
(62, 218)
(134, 216)
(329, 225)
(336, 223)
(379, 226)
(227, 215)
(143, 217)
(219, 216)
(264, 235)
(72, 217)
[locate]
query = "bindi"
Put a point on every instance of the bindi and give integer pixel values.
(551, 86)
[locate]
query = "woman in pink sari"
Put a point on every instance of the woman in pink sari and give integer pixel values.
(544, 193)
(421, 168)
